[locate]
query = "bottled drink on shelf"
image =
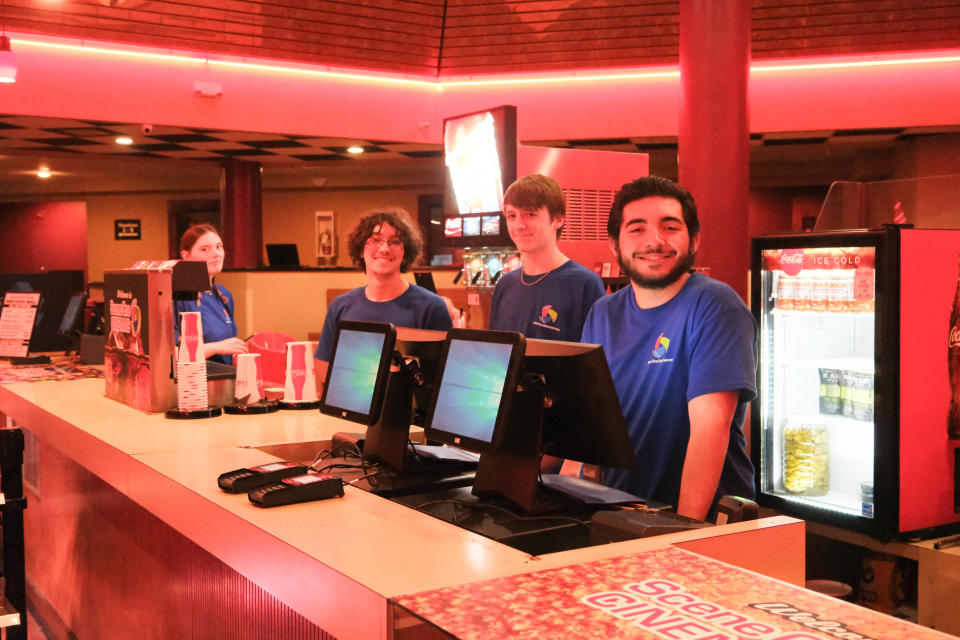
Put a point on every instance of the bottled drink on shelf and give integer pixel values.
(840, 290)
(823, 280)
(786, 292)
(802, 292)
(819, 286)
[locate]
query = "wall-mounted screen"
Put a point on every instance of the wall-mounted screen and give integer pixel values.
(452, 227)
(471, 226)
(480, 153)
(490, 225)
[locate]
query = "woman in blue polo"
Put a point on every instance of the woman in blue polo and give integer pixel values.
(220, 342)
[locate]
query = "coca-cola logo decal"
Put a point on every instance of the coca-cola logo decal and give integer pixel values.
(791, 261)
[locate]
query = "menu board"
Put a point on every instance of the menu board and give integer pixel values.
(16, 323)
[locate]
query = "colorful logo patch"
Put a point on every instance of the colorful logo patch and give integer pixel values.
(660, 346)
(548, 315)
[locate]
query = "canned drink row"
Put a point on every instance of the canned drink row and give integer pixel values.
(824, 290)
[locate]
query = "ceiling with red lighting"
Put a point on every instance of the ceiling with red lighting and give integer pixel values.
(34, 135)
(451, 37)
(447, 38)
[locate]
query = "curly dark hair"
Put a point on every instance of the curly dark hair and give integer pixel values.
(647, 187)
(370, 223)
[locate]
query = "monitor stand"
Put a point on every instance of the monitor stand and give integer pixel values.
(513, 472)
(390, 484)
(386, 442)
(386, 439)
(501, 520)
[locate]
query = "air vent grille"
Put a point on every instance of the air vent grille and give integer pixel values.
(587, 212)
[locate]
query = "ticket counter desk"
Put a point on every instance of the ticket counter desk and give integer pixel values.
(128, 534)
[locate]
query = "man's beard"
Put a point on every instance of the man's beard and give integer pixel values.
(660, 282)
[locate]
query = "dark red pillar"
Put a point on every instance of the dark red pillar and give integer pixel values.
(241, 213)
(714, 141)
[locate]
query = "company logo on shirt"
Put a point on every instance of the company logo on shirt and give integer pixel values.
(548, 318)
(660, 346)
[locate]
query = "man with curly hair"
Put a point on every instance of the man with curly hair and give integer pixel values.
(383, 244)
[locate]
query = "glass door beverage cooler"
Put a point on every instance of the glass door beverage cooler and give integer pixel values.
(859, 378)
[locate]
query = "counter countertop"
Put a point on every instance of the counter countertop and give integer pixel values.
(361, 548)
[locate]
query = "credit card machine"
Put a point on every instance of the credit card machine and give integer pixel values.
(244, 480)
(303, 488)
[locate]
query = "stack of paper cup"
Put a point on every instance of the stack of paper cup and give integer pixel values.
(191, 365)
(300, 385)
(249, 386)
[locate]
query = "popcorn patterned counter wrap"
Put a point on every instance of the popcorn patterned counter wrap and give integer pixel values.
(663, 594)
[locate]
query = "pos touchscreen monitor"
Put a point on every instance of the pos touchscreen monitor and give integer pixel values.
(478, 374)
(358, 371)
(72, 321)
(582, 420)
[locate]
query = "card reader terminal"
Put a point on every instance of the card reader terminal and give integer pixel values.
(302, 488)
(244, 480)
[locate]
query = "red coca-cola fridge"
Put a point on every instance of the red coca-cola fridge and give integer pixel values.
(858, 378)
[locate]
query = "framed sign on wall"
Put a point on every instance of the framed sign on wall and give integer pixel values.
(126, 229)
(326, 240)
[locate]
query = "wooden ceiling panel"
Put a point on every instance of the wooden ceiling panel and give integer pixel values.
(595, 59)
(438, 37)
(593, 23)
(544, 35)
(377, 34)
(791, 28)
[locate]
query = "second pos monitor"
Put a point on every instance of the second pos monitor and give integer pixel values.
(513, 400)
(472, 401)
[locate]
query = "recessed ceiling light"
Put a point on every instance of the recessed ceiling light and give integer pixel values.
(354, 149)
(124, 140)
(44, 172)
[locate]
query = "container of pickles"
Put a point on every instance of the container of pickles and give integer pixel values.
(806, 458)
